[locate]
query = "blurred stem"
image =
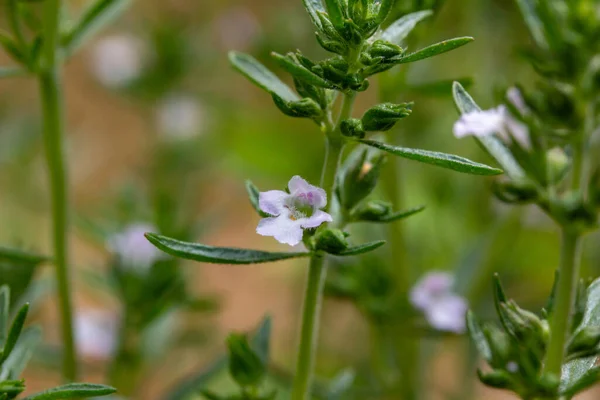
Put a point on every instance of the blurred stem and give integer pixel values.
(126, 365)
(565, 297)
(53, 116)
(317, 270)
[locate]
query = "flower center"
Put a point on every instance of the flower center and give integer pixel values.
(300, 206)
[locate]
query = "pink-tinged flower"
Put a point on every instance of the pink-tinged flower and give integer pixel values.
(181, 117)
(118, 60)
(292, 212)
(494, 121)
(443, 309)
(96, 334)
(132, 248)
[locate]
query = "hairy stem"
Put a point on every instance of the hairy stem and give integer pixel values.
(565, 298)
(53, 120)
(317, 270)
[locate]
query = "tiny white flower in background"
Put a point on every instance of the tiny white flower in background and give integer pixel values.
(96, 333)
(443, 309)
(494, 121)
(133, 249)
(512, 366)
(292, 212)
(181, 117)
(118, 60)
(237, 28)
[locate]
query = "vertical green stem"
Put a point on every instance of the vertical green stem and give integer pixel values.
(53, 110)
(565, 298)
(317, 270)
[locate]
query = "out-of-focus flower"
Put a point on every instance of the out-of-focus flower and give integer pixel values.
(132, 248)
(96, 334)
(292, 212)
(181, 117)
(443, 309)
(494, 121)
(515, 97)
(118, 60)
(237, 28)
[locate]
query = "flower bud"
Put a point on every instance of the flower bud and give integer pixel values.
(585, 340)
(515, 192)
(558, 164)
(500, 345)
(497, 379)
(305, 108)
(352, 128)
(524, 325)
(359, 178)
(372, 211)
(387, 50)
(245, 366)
(384, 116)
(330, 241)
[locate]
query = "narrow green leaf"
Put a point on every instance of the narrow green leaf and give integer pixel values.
(73, 391)
(401, 214)
(587, 380)
(494, 146)
(14, 332)
(335, 13)
(299, 71)
(401, 28)
(360, 249)
(261, 340)
(253, 195)
(99, 15)
(4, 313)
(433, 50)
(21, 256)
(574, 371)
(314, 7)
(385, 7)
(261, 76)
(533, 22)
(478, 337)
(23, 351)
(443, 160)
(216, 255)
(11, 48)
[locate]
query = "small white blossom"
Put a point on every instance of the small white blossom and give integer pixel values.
(181, 117)
(132, 248)
(494, 121)
(443, 309)
(292, 212)
(96, 334)
(118, 60)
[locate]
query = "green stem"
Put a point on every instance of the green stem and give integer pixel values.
(53, 111)
(565, 298)
(317, 270)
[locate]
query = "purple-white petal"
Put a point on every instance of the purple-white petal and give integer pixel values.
(519, 132)
(448, 314)
(272, 202)
(432, 286)
(282, 228)
(313, 195)
(515, 97)
(316, 219)
(481, 123)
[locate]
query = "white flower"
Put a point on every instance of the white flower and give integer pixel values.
(132, 248)
(118, 60)
(95, 334)
(494, 121)
(292, 212)
(180, 117)
(443, 309)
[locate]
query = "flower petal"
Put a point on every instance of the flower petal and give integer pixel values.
(316, 219)
(313, 195)
(448, 314)
(282, 228)
(431, 287)
(481, 123)
(272, 202)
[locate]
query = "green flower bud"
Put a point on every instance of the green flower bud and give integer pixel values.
(558, 164)
(386, 50)
(330, 241)
(359, 177)
(500, 345)
(515, 192)
(524, 326)
(579, 215)
(245, 366)
(384, 116)
(585, 340)
(372, 211)
(497, 379)
(352, 128)
(305, 108)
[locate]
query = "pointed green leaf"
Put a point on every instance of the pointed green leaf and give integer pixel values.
(314, 7)
(385, 7)
(14, 332)
(99, 15)
(11, 48)
(443, 160)
(4, 313)
(433, 50)
(575, 370)
(361, 249)
(253, 195)
(478, 337)
(216, 255)
(300, 72)
(401, 28)
(401, 214)
(261, 340)
(23, 351)
(494, 146)
(533, 22)
(73, 391)
(335, 13)
(261, 76)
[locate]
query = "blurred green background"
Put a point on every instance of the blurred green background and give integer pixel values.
(162, 130)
